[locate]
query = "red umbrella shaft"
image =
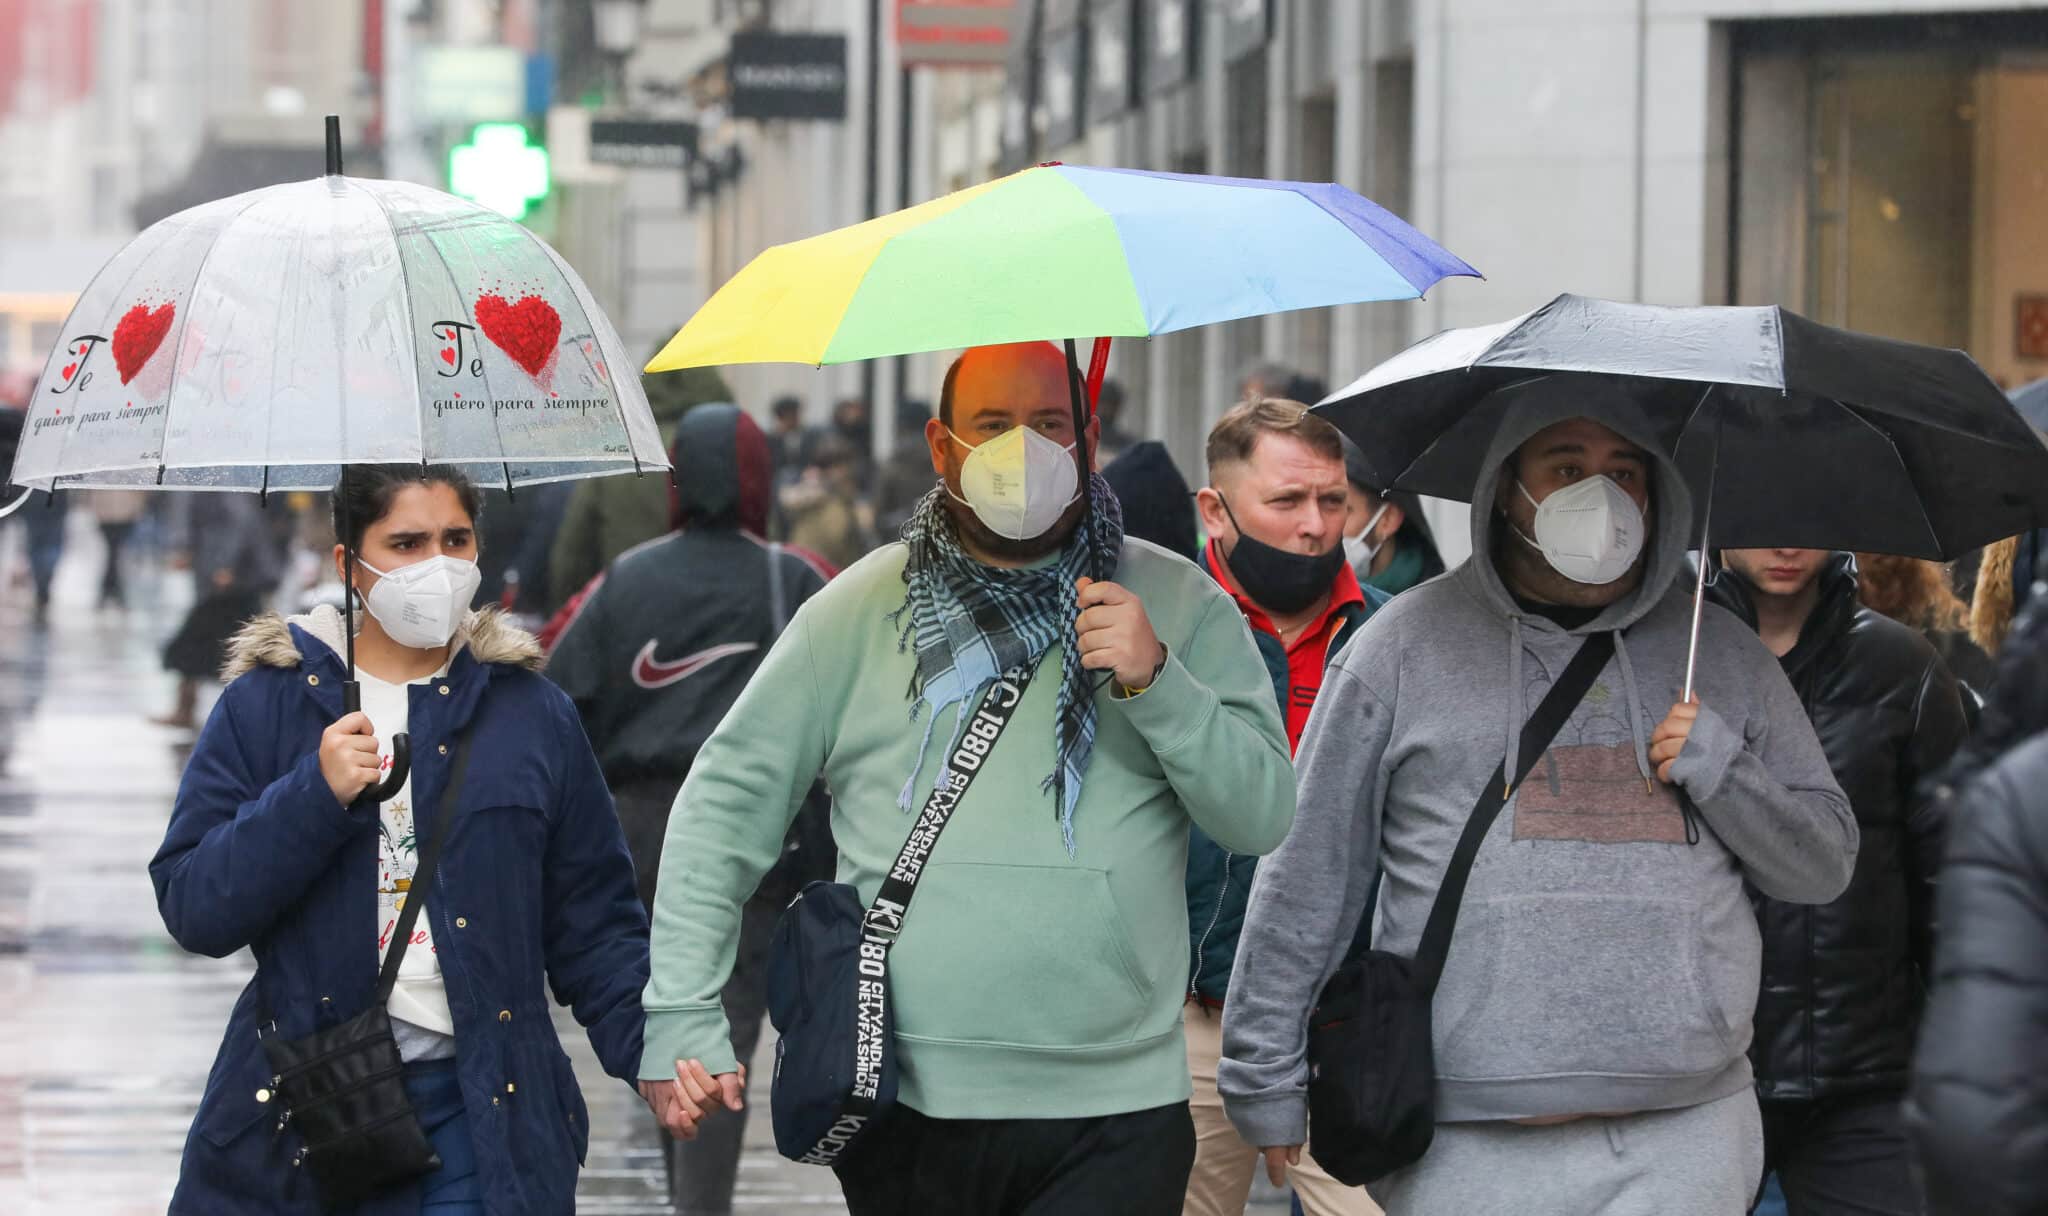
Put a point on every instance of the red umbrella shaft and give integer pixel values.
(1098, 363)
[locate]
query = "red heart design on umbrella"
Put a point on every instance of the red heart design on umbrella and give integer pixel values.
(140, 331)
(527, 331)
(70, 369)
(448, 355)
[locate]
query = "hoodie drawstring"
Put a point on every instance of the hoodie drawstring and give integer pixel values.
(1516, 706)
(1636, 733)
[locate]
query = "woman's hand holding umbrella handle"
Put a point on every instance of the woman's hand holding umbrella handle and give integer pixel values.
(1668, 740)
(349, 758)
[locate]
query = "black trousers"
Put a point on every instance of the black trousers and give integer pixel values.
(1845, 1156)
(1113, 1165)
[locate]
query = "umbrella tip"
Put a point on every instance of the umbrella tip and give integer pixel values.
(333, 145)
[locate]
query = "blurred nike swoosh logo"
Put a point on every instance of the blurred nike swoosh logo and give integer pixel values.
(649, 672)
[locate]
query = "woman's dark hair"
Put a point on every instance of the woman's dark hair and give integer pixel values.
(366, 491)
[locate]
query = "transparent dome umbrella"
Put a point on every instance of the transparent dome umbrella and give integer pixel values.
(266, 341)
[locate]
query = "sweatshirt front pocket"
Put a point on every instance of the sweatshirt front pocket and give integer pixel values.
(1029, 956)
(1579, 984)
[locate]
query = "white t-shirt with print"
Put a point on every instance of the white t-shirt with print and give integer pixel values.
(419, 997)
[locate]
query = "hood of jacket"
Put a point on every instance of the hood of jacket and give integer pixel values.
(268, 641)
(723, 470)
(670, 395)
(1670, 508)
(1670, 524)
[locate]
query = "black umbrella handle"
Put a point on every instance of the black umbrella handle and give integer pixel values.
(401, 751)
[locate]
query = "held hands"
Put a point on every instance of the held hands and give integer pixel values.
(349, 759)
(695, 1095)
(1116, 635)
(1669, 738)
(1278, 1159)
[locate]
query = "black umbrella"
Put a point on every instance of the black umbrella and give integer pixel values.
(1790, 433)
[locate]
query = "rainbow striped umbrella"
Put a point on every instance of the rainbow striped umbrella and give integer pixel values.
(1060, 250)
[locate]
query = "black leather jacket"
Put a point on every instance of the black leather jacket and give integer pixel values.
(1844, 982)
(1979, 1104)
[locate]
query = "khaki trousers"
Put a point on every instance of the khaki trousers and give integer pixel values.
(1222, 1178)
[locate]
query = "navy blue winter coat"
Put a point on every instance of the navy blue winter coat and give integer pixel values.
(534, 889)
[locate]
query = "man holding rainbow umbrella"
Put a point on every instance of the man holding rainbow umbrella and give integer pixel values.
(1073, 698)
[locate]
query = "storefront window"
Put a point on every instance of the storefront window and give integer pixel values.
(1891, 178)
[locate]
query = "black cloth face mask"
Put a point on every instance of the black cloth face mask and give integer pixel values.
(1275, 579)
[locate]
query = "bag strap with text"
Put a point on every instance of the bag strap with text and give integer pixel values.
(884, 918)
(1550, 716)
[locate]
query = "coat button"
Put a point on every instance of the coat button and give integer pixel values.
(510, 1088)
(444, 749)
(494, 1101)
(444, 690)
(462, 922)
(504, 1015)
(263, 1095)
(313, 680)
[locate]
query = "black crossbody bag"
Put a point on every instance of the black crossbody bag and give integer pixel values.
(1371, 1058)
(828, 976)
(343, 1088)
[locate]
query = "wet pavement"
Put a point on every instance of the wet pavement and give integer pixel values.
(107, 1028)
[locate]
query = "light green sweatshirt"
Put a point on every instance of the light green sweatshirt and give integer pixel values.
(1026, 983)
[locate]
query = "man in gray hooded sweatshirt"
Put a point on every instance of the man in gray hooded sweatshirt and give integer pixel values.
(1591, 1024)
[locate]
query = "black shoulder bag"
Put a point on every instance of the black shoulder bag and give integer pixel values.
(1371, 1058)
(828, 977)
(344, 1087)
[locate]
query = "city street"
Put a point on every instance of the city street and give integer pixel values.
(107, 1028)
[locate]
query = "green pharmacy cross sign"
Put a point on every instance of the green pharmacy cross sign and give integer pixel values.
(498, 169)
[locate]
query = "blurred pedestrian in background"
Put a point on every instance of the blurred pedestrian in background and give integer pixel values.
(788, 441)
(1109, 410)
(825, 511)
(1264, 379)
(906, 476)
(1978, 1108)
(853, 423)
(1844, 982)
(606, 516)
(227, 542)
(657, 651)
(43, 520)
(1919, 594)
(1157, 503)
(1386, 538)
(117, 512)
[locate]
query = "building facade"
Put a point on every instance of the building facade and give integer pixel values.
(1870, 163)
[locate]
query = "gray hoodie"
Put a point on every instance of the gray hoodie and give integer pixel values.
(1601, 964)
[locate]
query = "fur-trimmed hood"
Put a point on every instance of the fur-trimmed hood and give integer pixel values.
(267, 641)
